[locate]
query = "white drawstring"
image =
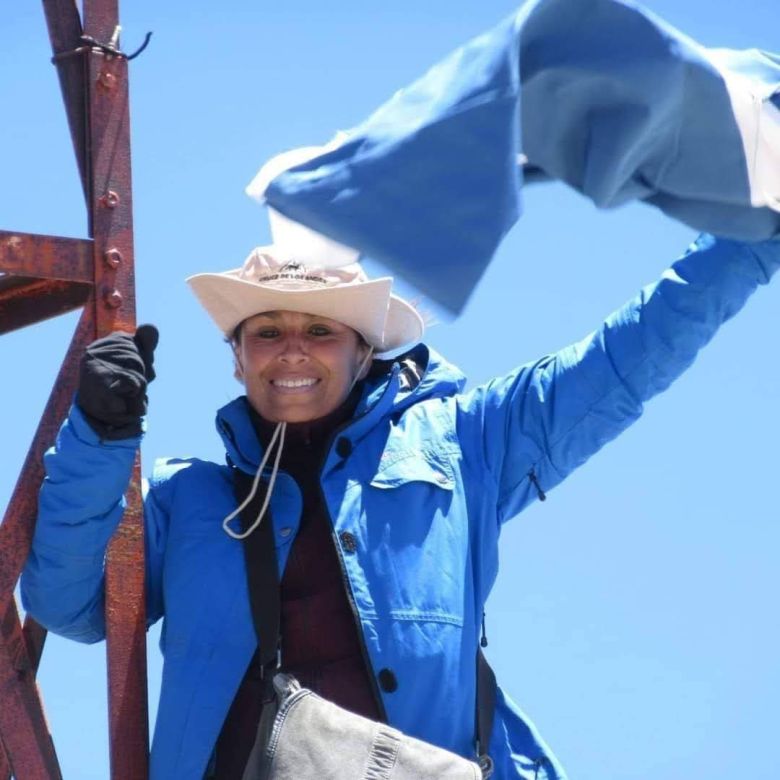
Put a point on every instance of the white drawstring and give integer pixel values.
(279, 432)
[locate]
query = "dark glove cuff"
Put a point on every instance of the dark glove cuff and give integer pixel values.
(108, 432)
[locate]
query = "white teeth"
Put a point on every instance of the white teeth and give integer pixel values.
(293, 382)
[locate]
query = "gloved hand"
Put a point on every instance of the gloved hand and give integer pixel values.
(115, 371)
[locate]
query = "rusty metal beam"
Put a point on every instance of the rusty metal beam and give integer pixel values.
(65, 30)
(126, 636)
(5, 763)
(23, 727)
(111, 223)
(34, 640)
(47, 257)
(41, 276)
(34, 637)
(30, 749)
(26, 301)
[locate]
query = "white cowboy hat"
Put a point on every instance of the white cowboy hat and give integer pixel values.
(297, 273)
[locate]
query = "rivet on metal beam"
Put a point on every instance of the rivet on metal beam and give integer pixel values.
(107, 80)
(110, 200)
(113, 299)
(112, 257)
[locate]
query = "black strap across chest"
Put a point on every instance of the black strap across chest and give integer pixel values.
(262, 570)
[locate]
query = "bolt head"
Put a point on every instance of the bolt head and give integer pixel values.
(112, 257)
(110, 199)
(108, 80)
(113, 299)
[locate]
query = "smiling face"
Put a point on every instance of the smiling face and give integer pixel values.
(297, 367)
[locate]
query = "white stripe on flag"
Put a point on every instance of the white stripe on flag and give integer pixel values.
(758, 120)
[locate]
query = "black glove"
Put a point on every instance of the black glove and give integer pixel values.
(112, 382)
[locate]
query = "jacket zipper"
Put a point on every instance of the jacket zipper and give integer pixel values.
(344, 577)
(353, 607)
(345, 580)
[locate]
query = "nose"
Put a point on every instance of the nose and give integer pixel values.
(294, 350)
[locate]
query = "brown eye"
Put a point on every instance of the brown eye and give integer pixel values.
(267, 333)
(319, 330)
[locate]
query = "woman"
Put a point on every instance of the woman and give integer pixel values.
(387, 484)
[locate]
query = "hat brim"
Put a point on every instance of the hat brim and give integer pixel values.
(385, 321)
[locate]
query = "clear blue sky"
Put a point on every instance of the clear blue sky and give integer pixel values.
(635, 617)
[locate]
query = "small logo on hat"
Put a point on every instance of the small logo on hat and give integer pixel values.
(293, 271)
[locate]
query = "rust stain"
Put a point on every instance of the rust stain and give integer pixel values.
(46, 257)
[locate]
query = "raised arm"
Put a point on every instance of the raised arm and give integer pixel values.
(82, 498)
(544, 419)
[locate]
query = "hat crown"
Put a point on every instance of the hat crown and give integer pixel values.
(304, 271)
(265, 267)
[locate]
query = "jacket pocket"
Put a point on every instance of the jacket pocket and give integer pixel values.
(398, 468)
(416, 522)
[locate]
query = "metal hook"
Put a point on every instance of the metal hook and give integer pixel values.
(111, 48)
(147, 38)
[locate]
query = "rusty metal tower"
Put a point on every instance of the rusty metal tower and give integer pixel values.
(40, 277)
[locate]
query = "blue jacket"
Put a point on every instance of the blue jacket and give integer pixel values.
(433, 473)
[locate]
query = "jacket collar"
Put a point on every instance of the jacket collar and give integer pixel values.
(389, 389)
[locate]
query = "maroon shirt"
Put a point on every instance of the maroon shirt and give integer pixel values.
(320, 642)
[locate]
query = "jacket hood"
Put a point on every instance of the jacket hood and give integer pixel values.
(423, 374)
(391, 387)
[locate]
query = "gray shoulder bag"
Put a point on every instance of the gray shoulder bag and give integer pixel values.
(301, 736)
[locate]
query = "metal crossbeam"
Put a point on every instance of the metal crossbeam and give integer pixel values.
(46, 257)
(41, 277)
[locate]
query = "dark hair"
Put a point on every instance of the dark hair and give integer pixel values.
(235, 335)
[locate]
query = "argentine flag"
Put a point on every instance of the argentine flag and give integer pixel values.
(600, 94)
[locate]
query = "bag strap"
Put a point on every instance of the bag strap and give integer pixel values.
(261, 571)
(264, 600)
(486, 707)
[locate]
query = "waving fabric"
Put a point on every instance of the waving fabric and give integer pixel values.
(600, 94)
